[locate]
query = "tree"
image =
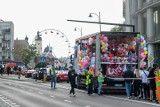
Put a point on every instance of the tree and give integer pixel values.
(41, 65)
(28, 54)
(117, 29)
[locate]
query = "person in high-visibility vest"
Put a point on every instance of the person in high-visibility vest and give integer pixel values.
(53, 77)
(100, 80)
(89, 82)
(158, 84)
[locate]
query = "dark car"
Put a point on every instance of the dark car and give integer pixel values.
(42, 71)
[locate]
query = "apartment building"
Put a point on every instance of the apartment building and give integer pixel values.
(145, 15)
(6, 41)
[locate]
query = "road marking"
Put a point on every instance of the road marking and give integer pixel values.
(40, 93)
(68, 101)
(135, 101)
(88, 106)
(52, 96)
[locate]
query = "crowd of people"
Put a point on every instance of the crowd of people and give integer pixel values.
(141, 83)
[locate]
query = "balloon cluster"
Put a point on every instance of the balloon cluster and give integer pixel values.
(117, 51)
(104, 43)
(143, 49)
(86, 55)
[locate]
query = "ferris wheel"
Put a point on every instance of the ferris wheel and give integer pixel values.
(56, 42)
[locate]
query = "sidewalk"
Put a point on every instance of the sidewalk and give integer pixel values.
(14, 77)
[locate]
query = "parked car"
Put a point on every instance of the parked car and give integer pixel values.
(41, 72)
(28, 73)
(62, 76)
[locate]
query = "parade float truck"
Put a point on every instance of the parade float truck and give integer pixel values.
(113, 53)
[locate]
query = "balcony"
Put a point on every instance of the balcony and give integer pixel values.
(5, 40)
(3, 48)
(7, 31)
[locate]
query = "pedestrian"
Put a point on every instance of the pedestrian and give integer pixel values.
(152, 83)
(128, 75)
(100, 81)
(157, 77)
(8, 70)
(15, 69)
(1, 70)
(19, 73)
(71, 76)
(53, 77)
(145, 83)
(137, 83)
(89, 82)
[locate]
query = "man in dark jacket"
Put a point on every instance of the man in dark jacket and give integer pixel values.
(128, 81)
(152, 83)
(71, 76)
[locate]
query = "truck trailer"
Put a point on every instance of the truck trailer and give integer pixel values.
(113, 52)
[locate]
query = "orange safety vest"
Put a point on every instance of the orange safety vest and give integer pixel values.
(158, 84)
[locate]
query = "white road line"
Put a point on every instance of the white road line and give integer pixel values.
(88, 106)
(40, 93)
(68, 101)
(135, 101)
(52, 96)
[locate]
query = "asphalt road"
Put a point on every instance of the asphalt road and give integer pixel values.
(33, 94)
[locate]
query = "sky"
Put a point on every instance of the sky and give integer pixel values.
(30, 16)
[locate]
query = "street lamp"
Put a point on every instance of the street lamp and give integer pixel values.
(97, 61)
(99, 18)
(80, 29)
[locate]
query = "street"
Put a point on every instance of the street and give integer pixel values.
(29, 93)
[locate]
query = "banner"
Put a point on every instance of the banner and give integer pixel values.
(115, 69)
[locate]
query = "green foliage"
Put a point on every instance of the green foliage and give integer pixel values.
(117, 29)
(28, 54)
(41, 65)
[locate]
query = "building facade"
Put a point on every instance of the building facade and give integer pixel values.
(6, 41)
(145, 15)
(19, 45)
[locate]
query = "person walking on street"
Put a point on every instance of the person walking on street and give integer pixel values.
(53, 77)
(19, 73)
(1, 70)
(8, 70)
(71, 76)
(128, 81)
(100, 81)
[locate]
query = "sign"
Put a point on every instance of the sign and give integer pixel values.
(115, 70)
(43, 59)
(150, 58)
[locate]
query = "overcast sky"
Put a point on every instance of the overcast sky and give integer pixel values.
(29, 16)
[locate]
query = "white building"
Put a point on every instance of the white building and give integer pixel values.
(145, 15)
(38, 44)
(6, 41)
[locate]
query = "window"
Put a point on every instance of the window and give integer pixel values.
(155, 20)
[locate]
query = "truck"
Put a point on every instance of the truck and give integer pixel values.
(113, 52)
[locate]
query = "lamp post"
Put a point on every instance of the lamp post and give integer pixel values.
(80, 29)
(99, 19)
(97, 41)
